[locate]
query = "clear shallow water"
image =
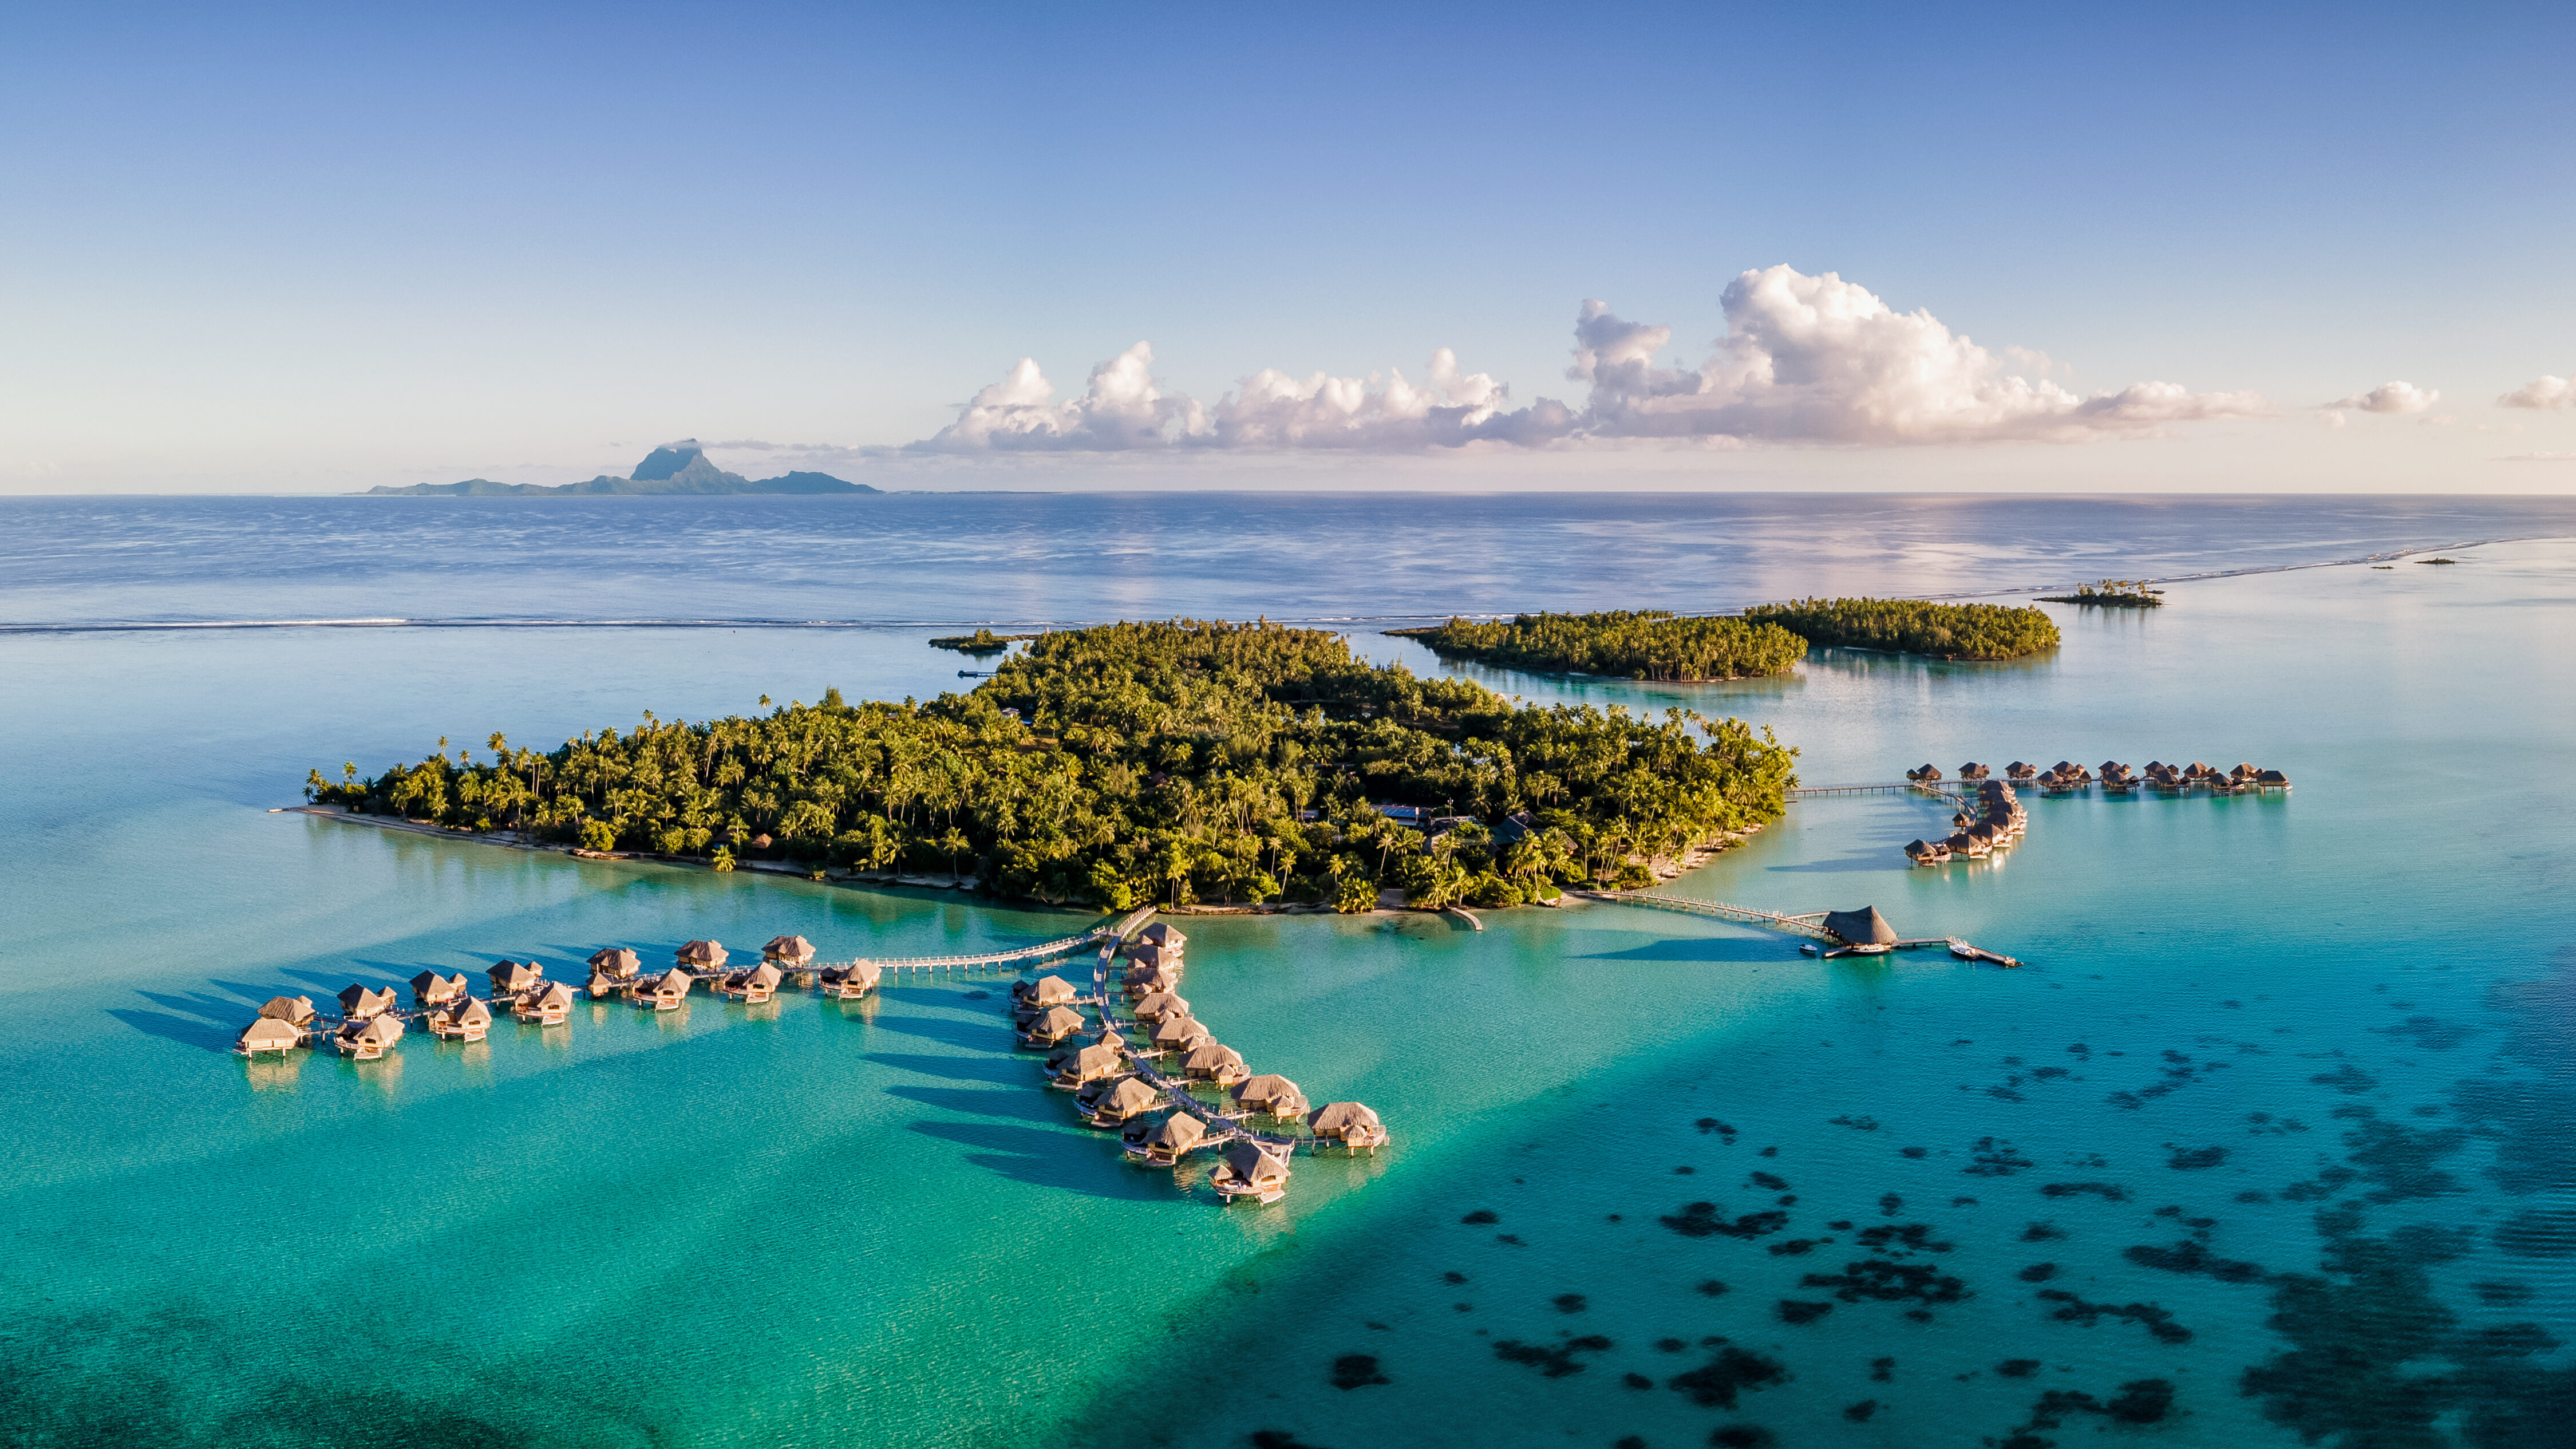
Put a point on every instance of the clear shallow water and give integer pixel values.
(804, 1224)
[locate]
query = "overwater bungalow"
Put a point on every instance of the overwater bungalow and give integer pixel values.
(1348, 1123)
(1974, 771)
(509, 978)
(431, 989)
(466, 1020)
(1214, 1062)
(293, 1010)
(702, 955)
(1928, 774)
(616, 963)
(1127, 1097)
(756, 985)
(845, 983)
(2020, 771)
(666, 991)
(1066, 1050)
(601, 985)
(1962, 843)
(1179, 1033)
(1051, 991)
(269, 1034)
(788, 951)
(357, 1003)
(1864, 930)
(1094, 1063)
(1159, 1004)
(2272, 777)
(1163, 934)
(1165, 1142)
(548, 1005)
(1927, 852)
(1269, 1095)
(1251, 1170)
(1052, 1026)
(369, 1039)
(1145, 981)
(1147, 956)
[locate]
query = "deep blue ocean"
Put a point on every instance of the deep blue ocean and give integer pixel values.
(2272, 1142)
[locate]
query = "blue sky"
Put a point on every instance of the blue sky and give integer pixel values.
(282, 248)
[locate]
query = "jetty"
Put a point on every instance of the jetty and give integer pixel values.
(1818, 926)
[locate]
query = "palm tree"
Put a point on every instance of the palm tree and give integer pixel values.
(953, 844)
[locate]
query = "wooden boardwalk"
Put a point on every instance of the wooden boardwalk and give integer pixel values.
(1222, 1127)
(1113, 933)
(1810, 924)
(1947, 793)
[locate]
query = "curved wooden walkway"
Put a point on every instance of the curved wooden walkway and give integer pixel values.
(1113, 933)
(1221, 1127)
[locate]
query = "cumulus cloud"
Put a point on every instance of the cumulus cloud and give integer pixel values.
(2544, 391)
(1805, 359)
(2390, 397)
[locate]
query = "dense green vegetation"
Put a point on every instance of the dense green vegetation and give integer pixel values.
(1943, 631)
(1129, 762)
(982, 641)
(2111, 594)
(1631, 644)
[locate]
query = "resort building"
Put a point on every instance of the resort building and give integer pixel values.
(293, 1010)
(616, 963)
(702, 955)
(1214, 1062)
(550, 1005)
(357, 1003)
(1128, 1097)
(790, 951)
(1864, 930)
(1348, 1123)
(509, 978)
(269, 1034)
(666, 991)
(369, 1039)
(1164, 1143)
(845, 983)
(431, 989)
(1052, 1026)
(1251, 1170)
(1269, 1095)
(466, 1020)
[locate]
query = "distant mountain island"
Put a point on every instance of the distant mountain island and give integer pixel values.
(673, 468)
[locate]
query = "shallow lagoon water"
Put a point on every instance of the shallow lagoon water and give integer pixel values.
(811, 1223)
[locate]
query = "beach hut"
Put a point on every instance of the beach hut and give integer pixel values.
(1159, 1004)
(1165, 1142)
(1865, 929)
(616, 963)
(293, 1010)
(788, 950)
(1214, 1062)
(1269, 1095)
(1163, 934)
(268, 1034)
(357, 1003)
(548, 1005)
(430, 989)
(1178, 1033)
(756, 985)
(367, 1040)
(702, 955)
(466, 1020)
(1348, 1123)
(1128, 1097)
(1251, 1170)
(509, 978)
(1051, 1026)
(1094, 1063)
(845, 983)
(666, 991)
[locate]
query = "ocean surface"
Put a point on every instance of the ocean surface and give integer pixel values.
(2273, 1141)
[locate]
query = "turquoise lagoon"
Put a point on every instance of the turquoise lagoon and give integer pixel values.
(2279, 1111)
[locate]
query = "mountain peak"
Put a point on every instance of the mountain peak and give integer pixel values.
(668, 459)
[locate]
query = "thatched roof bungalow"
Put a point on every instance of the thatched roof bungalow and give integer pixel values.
(1051, 1026)
(269, 1034)
(293, 1010)
(1129, 1097)
(1163, 934)
(1251, 1170)
(666, 991)
(2270, 777)
(1071, 1047)
(844, 983)
(1094, 1063)
(756, 985)
(431, 989)
(1865, 928)
(1158, 1004)
(2018, 770)
(1349, 1123)
(1926, 852)
(1270, 1095)
(1146, 956)
(788, 950)
(1974, 771)
(509, 978)
(1051, 991)
(367, 1040)
(705, 955)
(1146, 980)
(549, 1005)
(1216, 1062)
(1178, 1032)
(466, 1020)
(357, 1002)
(1926, 773)
(1168, 1141)
(617, 963)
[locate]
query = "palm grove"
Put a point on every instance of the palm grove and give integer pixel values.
(1179, 762)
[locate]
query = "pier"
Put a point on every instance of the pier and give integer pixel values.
(1810, 924)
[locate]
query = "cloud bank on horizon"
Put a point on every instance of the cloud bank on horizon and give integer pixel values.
(1811, 360)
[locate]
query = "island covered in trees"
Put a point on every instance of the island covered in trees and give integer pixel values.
(1179, 762)
(1768, 639)
(2111, 594)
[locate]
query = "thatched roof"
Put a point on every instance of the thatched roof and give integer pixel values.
(1093, 1062)
(1270, 1092)
(795, 950)
(617, 961)
(1865, 926)
(1160, 1004)
(1249, 1164)
(429, 986)
(1149, 955)
(702, 953)
(2271, 777)
(1211, 1056)
(1059, 1021)
(1152, 979)
(516, 975)
(1177, 1133)
(470, 1012)
(1333, 1119)
(288, 1008)
(357, 1001)
(1052, 991)
(600, 983)
(376, 1031)
(1164, 934)
(1128, 1098)
(766, 977)
(267, 1033)
(676, 979)
(1177, 1029)
(556, 994)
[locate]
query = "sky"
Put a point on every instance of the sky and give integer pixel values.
(313, 249)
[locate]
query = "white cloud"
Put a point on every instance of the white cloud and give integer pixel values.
(2544, 391)
(2390, 397)
(1813, 360)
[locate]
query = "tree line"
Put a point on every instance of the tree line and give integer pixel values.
(1624, 643)
(1182, 761)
